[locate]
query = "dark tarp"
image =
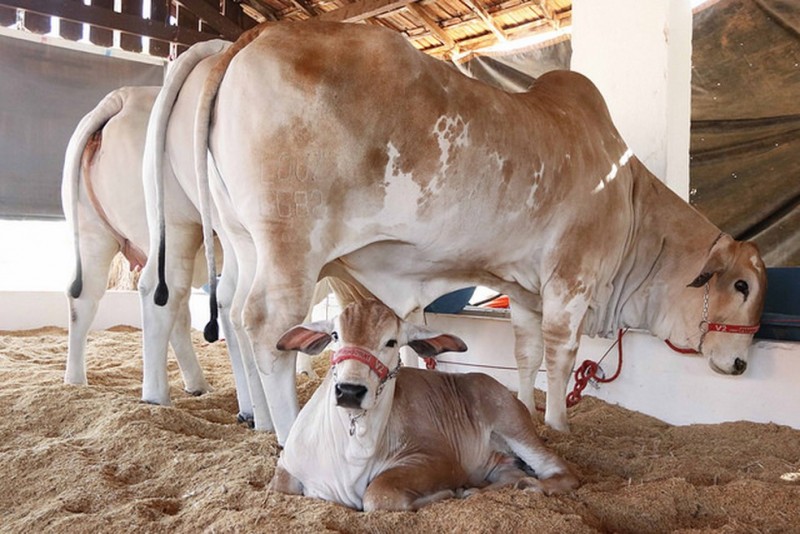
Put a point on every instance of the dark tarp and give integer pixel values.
(745, 166)
(44, 92)
(745, 143)
(516, 71)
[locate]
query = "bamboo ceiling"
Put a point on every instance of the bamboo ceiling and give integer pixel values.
(451, 29)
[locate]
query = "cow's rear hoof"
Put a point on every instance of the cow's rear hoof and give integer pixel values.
(154, 402)
(195, 393)
(246, 419)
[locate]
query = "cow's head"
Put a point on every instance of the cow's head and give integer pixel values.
(728, 294)
(370, 337)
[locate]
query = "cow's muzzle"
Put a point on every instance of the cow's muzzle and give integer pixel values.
(739, 367)
(349, 395)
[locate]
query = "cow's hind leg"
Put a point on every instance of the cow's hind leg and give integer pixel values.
(181, 340)
(97, 249)
(279, 298)
(513, 424)
(407, 488)
(158, 321)
(225, 294)
(258, 413)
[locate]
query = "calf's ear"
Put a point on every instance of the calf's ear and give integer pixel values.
(428, 344)
(310, 338)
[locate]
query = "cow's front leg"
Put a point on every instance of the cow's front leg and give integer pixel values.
(528, 350)
(408, 488)
(561, 330)
(283, 482)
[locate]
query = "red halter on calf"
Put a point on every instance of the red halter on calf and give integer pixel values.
(364, 356)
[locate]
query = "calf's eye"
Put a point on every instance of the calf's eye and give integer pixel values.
(742, 287)
(391, 343)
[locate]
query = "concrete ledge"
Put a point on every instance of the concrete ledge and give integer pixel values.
(655, 380)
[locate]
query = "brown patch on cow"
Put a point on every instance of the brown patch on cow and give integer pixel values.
(507, 171)
(364, 321)
(90, 150)
(733, 261)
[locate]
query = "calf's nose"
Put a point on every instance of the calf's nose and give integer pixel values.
(350, 395)
(739, 366)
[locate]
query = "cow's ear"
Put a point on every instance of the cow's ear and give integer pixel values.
(719, 258)
(311, 338)
(428, 344)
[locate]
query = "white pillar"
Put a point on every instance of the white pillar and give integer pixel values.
(638, 53)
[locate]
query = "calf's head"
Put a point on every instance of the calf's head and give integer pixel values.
(370, 336)
(729, 298)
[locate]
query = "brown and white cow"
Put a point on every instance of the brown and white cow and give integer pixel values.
(377, 436)
(103, 201)
(344, 151)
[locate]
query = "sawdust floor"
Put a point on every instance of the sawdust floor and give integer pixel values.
(95, 459)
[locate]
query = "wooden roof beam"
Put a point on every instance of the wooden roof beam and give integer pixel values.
(259, 7)
(306, 7)
(487, 20)
(226, 27)
(105, 18)
(362, 9)
(433, 27)
(549, 13)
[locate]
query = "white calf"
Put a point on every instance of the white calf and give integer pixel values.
(375, 436)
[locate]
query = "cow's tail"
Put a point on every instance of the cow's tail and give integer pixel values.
(201, 155)
(155, 145)
(90, 125)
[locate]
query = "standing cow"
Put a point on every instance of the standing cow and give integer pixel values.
(343, 151)
(171, 194)
(103, 201)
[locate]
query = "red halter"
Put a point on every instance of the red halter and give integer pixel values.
(706, 327)
(364, 356)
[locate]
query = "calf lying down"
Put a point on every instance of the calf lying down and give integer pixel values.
(375, 436)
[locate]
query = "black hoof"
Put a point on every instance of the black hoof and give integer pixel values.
(246, 419)
(194, 393)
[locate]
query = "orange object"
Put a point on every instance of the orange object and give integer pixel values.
(500, 302)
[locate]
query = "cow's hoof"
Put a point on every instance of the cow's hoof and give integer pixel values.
(246, 419)
(195, 393)
(155, 402)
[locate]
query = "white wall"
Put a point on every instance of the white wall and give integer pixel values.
(26, 310)
(638, 53)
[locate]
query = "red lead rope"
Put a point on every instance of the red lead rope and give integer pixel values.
(588, 371)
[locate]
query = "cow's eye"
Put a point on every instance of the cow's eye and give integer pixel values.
(391, 343)
(742, 287)
(335, 336)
